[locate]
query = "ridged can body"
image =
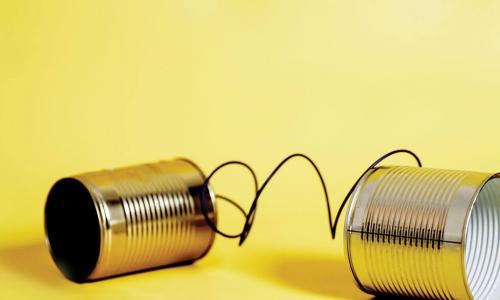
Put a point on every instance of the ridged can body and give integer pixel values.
(408, 232)
(112, 222)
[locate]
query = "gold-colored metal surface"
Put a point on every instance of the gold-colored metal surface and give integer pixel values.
(406, 229)
(148, 216)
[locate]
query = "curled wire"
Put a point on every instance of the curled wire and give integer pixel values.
(250, 216)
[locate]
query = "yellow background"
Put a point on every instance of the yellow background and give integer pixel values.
(86, 85)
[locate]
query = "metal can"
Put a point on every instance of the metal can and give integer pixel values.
(426, 233)
(112, 222)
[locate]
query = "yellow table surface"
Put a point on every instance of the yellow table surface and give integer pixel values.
(87, 85)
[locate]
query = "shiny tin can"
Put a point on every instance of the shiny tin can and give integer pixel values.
(112, 222)
(425, 233)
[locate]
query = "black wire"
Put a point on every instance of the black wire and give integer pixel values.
(250, 216)
(204, 193)
(232, 202)
(251, 213)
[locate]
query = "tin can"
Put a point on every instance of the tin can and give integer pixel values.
(113, 222)
(426, 233)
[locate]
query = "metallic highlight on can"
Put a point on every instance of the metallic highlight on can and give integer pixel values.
(425, 233)
(113, 222)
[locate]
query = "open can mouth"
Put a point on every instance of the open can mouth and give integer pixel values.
(482, 243)
(72, 229)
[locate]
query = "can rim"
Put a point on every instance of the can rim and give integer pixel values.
(350, 211)
(72, 275)
(466, 229)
